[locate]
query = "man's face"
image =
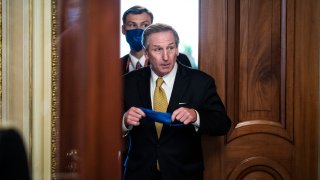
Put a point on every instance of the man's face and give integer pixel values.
(162, 52)
(136, 21)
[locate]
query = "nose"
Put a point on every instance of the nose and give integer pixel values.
(165, 55)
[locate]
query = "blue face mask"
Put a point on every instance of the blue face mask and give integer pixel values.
(134, 38)
(73, 15)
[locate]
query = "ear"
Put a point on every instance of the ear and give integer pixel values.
(123, 29)
(146, 54)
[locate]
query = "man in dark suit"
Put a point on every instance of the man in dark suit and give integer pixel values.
(135, 20)
(168, 151)
(13, 159)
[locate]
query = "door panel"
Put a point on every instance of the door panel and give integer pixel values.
(249, 47)
(259, 60)
(89, 124)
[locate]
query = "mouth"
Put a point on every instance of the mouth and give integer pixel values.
(165, 65)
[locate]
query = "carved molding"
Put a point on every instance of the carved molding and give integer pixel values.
(265, 167)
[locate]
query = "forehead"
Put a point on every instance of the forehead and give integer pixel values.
(161, 38)
(137, 18)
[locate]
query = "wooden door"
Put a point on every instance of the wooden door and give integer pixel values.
(90, 91)
(264, 57)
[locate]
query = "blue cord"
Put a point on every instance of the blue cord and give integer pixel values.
(129, 149)
(178, 124)
(126, 160)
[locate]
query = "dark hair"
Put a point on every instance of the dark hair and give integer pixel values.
(136, 10)
(155, 28)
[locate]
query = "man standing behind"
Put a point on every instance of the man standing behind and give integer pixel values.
(135, 20)
(171, 150)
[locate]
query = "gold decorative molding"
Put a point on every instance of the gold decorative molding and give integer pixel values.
(1, 61)
(55, 99)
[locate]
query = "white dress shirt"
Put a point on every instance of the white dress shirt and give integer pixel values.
(167, 86)
(134, 61)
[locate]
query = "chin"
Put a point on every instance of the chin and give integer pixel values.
(165, 73)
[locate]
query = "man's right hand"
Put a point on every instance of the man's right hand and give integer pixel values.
(133, 116)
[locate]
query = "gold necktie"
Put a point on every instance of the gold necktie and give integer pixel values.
(160, 102)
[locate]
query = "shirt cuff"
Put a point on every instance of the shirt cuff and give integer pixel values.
(125, 130)
(197, 123)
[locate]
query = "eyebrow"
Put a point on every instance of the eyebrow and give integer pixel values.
(140, 22)
(131, 22)
(155, 45)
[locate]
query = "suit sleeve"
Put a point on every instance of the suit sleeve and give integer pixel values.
(213, 117)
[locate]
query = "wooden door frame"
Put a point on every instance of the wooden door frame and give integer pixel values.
(306, 114)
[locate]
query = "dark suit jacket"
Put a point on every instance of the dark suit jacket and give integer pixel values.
(182, 58)
(179, 148)
(13, 159)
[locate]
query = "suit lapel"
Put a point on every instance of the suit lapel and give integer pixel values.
(144, 93)
(179, 87)
(125, 61)
(144, 89)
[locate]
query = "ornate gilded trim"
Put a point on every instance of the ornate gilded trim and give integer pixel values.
(54, 81)
(1, 61)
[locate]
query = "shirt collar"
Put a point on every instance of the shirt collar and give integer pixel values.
(134, 60)
(168, 78)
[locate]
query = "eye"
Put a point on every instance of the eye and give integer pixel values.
(171, 48)
(157, 50)
(145, 25)
(131, 25)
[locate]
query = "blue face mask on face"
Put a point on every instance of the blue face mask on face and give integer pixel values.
(134, 38)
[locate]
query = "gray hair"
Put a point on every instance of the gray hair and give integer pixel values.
(156, 28)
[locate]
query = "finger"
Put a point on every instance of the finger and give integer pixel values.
(139, 111)
(133, 116)
(185, 118)
(184, 115)
(136, 112)
(174, 114)
(133, 121)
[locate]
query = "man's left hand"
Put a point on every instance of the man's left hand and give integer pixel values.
(184, 115)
